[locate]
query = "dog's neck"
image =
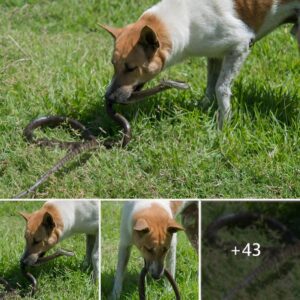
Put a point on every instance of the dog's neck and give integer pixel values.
(57, 219)
(173, 27)
(63, 221)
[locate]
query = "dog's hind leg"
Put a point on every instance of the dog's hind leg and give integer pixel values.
(90, 242)
(213, 71)
(231, 66)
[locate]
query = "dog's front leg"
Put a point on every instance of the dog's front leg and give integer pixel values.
(232, 64)
(123, 257)
(95, 257)
(171, 256)
(90, 242)
(213, 71)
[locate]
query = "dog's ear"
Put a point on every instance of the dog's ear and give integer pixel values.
(141, 226)
(25, 215)
(149, 41)
(173, 226)
(48, 222)
(114, 32)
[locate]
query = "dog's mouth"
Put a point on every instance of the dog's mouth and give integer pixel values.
(138, 87)
(42, 254)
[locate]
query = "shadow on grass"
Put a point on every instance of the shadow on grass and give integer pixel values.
(266, 100)
(130, 284)
(22, 286)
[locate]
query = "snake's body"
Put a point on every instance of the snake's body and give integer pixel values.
(89, 142)
(290, 248)
(10, 291)
(142, 285)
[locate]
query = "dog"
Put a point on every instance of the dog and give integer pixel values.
(172, 30)
(57, 220)
(151, 227)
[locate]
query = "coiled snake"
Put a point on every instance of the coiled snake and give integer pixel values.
(273, 255)
(12, 292)
(89, 142)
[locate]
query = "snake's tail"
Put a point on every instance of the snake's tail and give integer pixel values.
(173, 284)
(58, 166)
(279, 257)
(58, 253)
(247, 280)
(163, 86)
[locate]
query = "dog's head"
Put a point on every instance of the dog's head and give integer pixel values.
(139, 54)
(152, 234)
(41, 234)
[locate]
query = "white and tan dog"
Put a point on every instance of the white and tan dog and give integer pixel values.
(57, 220)
(172, 30)
(151, 227)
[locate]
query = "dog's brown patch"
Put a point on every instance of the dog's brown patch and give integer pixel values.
(157, 227)
(139, 54)
(253, 12)
(43, 228)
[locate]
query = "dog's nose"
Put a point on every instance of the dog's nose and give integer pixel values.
(28, 260)
(157, 276)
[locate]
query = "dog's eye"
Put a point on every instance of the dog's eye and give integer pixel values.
(129, 68)
(150, 250)
(35, 242)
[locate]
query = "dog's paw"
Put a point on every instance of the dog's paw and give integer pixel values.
(207, 101)
(113, 296)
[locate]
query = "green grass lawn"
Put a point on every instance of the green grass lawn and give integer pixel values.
(54, 59)
(63, 278)
(222, 271)
(186, 269)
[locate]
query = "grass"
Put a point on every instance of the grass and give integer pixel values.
(186, 269)
(222, 271)
(63, 278)
(55, 60)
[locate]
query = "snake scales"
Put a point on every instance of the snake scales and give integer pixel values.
(142, 288)
(273, 255)
(89, 142)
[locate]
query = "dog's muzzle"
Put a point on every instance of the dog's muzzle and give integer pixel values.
(30, 260)
(155, 269)
(120, 94)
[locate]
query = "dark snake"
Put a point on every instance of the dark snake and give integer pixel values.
(291, 247)
(142, 288)
(89, 142)
(10, 291)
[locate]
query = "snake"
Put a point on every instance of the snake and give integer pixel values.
(291, 247)
(10, 291)
(89, 141)
(142, 288)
